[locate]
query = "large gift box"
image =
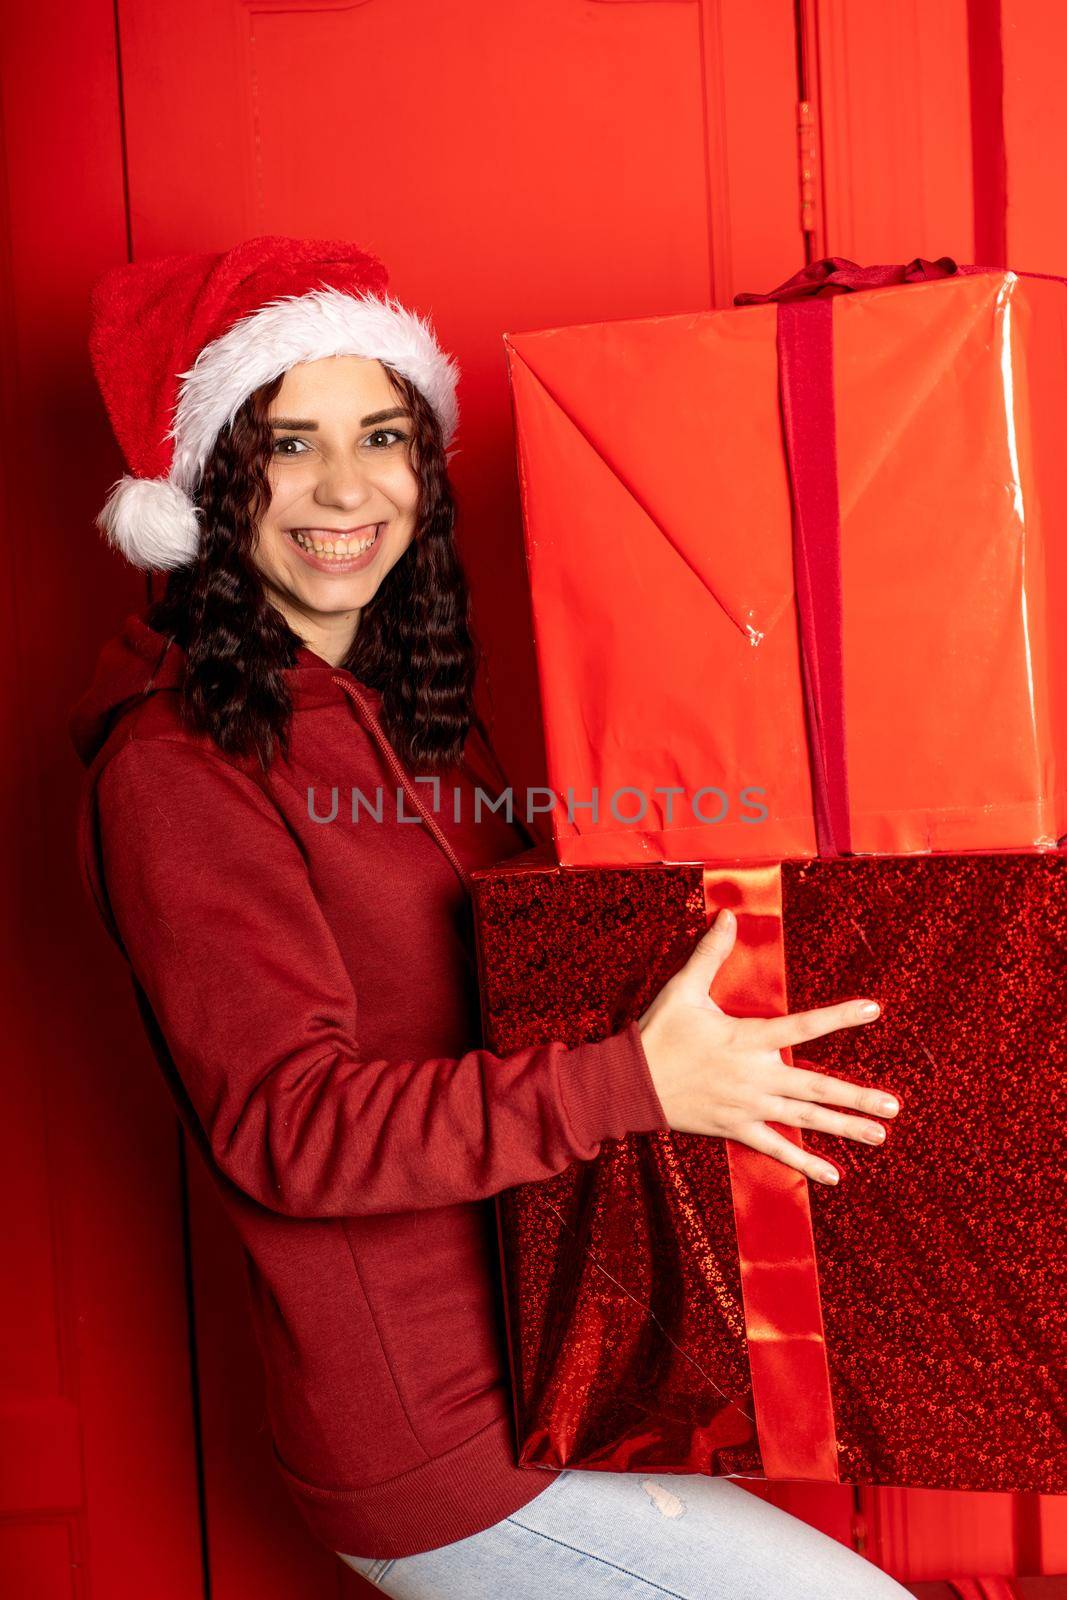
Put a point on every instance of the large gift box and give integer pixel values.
(799, 557)
(683, 1303)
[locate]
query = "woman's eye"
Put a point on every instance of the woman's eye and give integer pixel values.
(380, 439)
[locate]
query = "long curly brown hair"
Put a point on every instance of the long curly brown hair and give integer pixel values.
(414, 642)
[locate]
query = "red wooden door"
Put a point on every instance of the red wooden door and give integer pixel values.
(518, 166)
(98, 1482)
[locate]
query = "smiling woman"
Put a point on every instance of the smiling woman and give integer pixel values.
(311, 992)
(328, 522)
(344, 497)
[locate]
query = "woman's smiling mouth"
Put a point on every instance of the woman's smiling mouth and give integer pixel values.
(337, 551)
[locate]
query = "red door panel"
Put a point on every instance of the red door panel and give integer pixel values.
(892, 89)
(98, 1488)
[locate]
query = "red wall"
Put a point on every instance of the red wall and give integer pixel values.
(543, 162)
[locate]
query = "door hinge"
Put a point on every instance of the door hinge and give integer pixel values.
(808, 167)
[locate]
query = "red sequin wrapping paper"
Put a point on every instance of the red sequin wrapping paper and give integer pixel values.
(940, 1254)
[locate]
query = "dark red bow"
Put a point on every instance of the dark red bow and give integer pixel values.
(835, 275)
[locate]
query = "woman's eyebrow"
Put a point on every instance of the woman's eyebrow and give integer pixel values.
(306, 424)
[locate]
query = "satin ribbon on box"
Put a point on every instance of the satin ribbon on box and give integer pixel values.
(772, 1208)
(772, 1213)
(806, 397)
(791, 1392)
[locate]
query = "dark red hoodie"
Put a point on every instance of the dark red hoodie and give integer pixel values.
(309, 990)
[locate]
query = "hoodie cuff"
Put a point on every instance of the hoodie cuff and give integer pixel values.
(610, 1092)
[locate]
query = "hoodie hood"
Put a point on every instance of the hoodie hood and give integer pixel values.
(139, 662)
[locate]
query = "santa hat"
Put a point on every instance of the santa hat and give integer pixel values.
(180, 342)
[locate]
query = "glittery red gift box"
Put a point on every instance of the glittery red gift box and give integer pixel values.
(940, 1256)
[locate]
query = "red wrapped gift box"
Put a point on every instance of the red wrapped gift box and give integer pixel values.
(823, 533)
(682, 1303)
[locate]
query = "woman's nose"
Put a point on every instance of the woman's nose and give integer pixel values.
(342, 483)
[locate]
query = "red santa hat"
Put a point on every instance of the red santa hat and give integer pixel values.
(178, 343)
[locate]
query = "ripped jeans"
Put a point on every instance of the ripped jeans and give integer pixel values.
(618, 1535)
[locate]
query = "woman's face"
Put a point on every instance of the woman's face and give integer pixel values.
(343, 495)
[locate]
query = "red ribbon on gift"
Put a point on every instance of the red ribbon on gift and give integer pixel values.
(806, 397)
(788, 1359)
(772, 1211)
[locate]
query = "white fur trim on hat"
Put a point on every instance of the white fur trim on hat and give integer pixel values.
(306, 327)
(152, 521)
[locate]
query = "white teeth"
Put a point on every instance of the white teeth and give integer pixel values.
(330, 551)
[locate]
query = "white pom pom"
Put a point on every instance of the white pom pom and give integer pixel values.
(152, 522)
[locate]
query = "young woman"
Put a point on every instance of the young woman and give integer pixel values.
(259, 742)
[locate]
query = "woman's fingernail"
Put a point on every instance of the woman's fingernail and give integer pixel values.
(723, 919)
(828, 1175)
(890, 1107)
(870, 1008)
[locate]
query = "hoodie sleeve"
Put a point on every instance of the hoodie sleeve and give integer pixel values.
(211, 895)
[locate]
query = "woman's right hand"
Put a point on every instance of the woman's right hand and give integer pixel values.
(723, 1075)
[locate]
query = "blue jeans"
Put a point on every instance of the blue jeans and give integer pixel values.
(618, 1535)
